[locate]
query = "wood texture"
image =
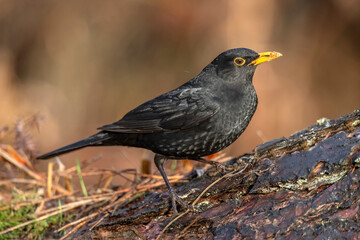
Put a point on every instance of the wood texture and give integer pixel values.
(306, 186)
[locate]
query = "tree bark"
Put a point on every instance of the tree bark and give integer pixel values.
(306, 186)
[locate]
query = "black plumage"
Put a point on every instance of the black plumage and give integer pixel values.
(199, 118)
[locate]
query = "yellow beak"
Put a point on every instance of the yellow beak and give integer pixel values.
(265, 57)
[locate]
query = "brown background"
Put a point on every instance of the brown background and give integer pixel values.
(84, 63)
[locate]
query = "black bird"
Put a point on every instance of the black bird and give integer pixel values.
(199, 118)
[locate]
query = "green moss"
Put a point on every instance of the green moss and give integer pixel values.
(11, 217)
(322, 121)
(355, 123)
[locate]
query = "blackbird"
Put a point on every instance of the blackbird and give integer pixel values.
(199, 118)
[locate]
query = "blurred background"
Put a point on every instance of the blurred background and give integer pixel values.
(81, 64)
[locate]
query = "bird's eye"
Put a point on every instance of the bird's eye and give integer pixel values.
(239, 61)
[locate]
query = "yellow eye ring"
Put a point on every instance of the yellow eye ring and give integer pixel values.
(239, 61)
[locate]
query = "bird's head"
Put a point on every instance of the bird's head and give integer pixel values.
(240, 63)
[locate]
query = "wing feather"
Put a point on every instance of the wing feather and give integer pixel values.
(180, 109)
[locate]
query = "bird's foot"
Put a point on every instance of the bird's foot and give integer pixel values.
(175, 198)
(222, 167)
(219, 166)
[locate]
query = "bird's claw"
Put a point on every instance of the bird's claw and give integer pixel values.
(175, 198)
(223, 168)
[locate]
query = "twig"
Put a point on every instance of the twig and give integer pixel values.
(102, 218)
(72, 230)
(90, 216)
(77, 221)
(49, 179)
(85, 219)
(74, 205)
(22, 180)
(9, 158)
(212, 184)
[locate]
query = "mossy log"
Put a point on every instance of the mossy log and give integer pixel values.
(306, 186)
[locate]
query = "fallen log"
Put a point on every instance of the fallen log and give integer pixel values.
(303, 186)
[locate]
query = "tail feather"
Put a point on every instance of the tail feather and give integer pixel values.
(94, 140)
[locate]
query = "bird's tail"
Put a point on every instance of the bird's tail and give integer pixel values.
(93, 140)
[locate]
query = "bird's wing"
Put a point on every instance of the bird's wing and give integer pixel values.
(172, 111)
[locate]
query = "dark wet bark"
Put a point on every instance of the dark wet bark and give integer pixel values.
(305, 186)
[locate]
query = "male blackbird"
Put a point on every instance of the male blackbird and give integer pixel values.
(199, 118)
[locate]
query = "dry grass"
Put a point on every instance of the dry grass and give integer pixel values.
(56, 194)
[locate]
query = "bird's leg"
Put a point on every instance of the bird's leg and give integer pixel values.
(159, 162)
(219, 166)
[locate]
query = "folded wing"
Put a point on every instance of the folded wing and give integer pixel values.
(173, 111)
